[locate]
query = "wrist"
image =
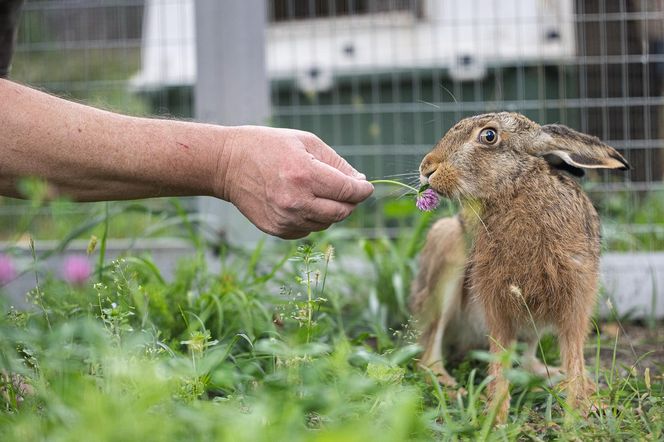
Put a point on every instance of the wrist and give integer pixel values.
(195, 154)
(226, 167)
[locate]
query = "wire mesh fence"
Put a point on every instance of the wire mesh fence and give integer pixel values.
(382, 80)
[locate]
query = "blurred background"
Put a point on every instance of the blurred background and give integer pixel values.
(379, 80)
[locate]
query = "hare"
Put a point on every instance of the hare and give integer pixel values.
(523, 254)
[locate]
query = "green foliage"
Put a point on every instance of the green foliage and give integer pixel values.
(394, 263)
(299, 343)
(632, 221)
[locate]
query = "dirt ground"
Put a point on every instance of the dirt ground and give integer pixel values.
(639, 345)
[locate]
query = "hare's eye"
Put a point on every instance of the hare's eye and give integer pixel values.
(488, 136)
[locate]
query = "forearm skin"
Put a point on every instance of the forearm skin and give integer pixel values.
(90, 155)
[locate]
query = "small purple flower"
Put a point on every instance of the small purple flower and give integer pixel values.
(427, 200)
(76, 269)
(7, 269)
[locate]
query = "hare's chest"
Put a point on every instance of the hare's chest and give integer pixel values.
(528, 266)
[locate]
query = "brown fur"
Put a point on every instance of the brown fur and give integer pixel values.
(524, 253)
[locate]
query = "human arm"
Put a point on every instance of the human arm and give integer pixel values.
(288, 183)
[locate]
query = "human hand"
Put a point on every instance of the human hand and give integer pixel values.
(287, 182)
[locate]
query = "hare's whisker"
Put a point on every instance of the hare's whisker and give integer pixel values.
(394, 193)
(451, 94)
(406, 174)
(430, 104)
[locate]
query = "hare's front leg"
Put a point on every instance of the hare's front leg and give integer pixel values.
(501, 337)
(432, 358)
(448, 296)
(445, 299)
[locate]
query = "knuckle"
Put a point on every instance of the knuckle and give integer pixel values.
(289, 203)
(311, 138)
(281, 201)
(346, 191)
(296, 176)
(341, 214)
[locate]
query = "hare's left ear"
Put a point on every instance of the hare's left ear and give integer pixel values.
(573, 151)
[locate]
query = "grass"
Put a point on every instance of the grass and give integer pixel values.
(283, 342)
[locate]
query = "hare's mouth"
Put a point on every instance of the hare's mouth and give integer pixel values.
(444, 180)
(449, 193)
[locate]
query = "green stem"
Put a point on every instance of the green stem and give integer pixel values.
(395, 183)
(309, 303)
(38, 293)
(102, 247)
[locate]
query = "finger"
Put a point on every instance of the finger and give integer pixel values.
(329, 183)
(303, 230)
(328, 212)
(327, 155)
(295, 234)
(298, 224)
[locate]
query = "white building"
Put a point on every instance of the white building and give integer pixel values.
(463, 36)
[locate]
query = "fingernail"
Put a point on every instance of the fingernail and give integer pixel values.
(359, 175)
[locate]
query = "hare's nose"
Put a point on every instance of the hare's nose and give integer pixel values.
(426, 170)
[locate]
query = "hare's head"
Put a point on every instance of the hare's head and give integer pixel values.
(482, 156)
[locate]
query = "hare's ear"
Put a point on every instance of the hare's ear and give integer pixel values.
(573, 151)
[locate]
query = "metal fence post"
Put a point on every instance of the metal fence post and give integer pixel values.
(231, 86)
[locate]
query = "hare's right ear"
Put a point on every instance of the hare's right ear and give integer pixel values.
(573, 151)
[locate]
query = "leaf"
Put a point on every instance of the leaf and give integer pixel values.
(384, 373)
(405, 354)
(146, 264)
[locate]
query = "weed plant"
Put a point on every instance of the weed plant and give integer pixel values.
(311, 341)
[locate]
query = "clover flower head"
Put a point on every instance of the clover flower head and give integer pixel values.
(427, 200)
(76, 269)
(7, 269)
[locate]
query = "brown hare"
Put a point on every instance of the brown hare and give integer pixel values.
(523, 254)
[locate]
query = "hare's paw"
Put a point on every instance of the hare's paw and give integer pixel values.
(589, 386)
(550, 372)
(443, 377)
(580, 394)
